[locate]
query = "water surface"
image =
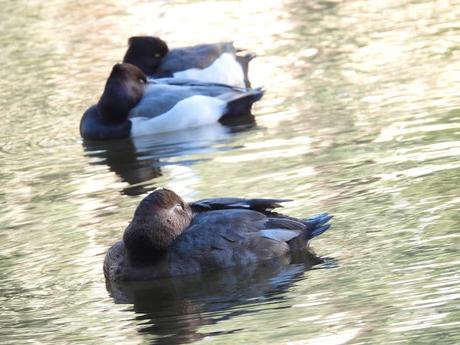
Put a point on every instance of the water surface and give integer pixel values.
(361, 119)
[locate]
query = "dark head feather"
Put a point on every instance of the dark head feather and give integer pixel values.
(145, 52)
(123, 90)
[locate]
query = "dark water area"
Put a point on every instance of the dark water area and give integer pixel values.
(361, 118)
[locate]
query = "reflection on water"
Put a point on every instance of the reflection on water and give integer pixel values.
(360, 119)
(121, 156)
(175, 309)
(140, 159)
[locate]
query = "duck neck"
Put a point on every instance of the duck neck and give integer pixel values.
(142, 247)
(114, 106)
(94, 126)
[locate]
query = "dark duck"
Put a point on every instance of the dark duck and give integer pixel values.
(210, 62)
(169, 237)
(131, 105)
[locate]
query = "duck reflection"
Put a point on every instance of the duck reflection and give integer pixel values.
(122, 158)
(139, 160)
(174, 309)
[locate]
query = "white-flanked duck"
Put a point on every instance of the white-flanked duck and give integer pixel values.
(214, 63)
(132, 106)
(169, 237)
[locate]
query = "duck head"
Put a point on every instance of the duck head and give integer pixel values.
(158, 220)
(108, 119)
(146, 52)
(122, 92)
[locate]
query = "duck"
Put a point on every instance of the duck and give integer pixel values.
(210, 62)
(132, 106)
(169, 237)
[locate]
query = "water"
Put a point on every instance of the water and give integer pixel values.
(361, 119)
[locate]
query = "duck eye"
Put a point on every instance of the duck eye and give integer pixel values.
(157, 55)
(179, 206)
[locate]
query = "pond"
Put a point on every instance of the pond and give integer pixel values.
(361, 118)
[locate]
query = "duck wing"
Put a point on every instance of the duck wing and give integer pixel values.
(197, 84)
(273, 221)
(159, 99)
(257, 204)
(198, 56)
(162, 95)
(228, 236)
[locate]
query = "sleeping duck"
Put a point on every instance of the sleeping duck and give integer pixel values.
(169, 237)
(132, 106)
(214, 63)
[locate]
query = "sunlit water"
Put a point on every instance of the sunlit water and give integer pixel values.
(361, 119)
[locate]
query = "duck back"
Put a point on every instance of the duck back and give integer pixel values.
(199, 56)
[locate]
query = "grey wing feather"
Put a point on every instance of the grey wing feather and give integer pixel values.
(199, 56)
(226, 203)
(281, 235)
(162, 95)
(198, 84)
(225, 92)
(231, 237)
(158, 99)
(285, 222)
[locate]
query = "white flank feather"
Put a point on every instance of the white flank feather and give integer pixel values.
(191, 112)
(225, 70)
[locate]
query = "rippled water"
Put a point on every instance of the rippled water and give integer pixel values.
(361, 119)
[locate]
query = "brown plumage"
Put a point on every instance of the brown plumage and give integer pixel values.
(158, 221)
(168, 237)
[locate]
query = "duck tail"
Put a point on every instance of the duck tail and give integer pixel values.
(240, 104)
(316, 225)
(243, 60)
(244, 57)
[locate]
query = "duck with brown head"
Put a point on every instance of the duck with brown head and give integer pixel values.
(132, 106)
(169, 237)
(123, 90)
(212, 62)
(108, 119)
(159, 219)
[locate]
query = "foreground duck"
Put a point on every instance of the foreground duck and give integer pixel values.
(214, 62)
(169, 237)
(132, 106)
